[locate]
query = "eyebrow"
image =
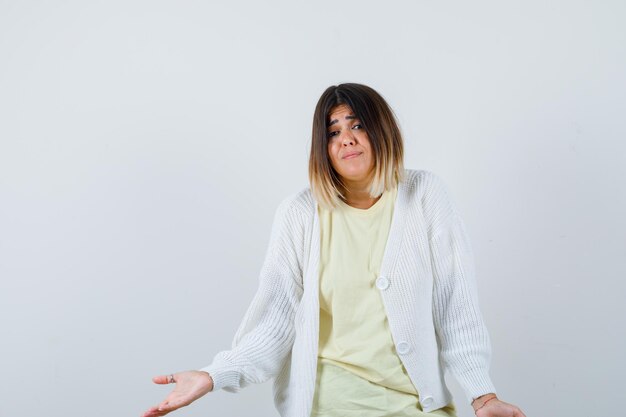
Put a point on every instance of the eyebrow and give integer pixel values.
(349, 117)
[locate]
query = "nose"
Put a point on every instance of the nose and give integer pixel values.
(347, 138)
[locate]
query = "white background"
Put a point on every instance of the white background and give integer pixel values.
(144, 146)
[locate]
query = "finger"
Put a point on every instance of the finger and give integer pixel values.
(169, 406)
(166, 406)
(164, 379)
(161, 379)
(151, 412)
(155, 412)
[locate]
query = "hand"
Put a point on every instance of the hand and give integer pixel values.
(490, 406)
(190, 385)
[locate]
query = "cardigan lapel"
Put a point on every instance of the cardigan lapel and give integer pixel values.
(394, 238)
(396, 231)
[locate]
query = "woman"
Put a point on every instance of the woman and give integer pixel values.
(367, 294)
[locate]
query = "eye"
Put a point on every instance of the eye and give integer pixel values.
(333, 133)
(357, 126)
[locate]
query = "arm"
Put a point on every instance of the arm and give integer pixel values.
(464, 342)
(266, 334)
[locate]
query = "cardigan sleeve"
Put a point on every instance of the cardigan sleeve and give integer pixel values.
(464, 344)
(266, 334)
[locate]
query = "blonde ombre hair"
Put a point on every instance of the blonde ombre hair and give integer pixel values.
(382, 130)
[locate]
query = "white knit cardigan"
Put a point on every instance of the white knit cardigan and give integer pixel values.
(427, 287)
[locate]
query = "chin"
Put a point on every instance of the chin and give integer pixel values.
(355, 172)
(355, 175)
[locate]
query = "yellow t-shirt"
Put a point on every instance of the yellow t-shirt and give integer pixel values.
(354, 332)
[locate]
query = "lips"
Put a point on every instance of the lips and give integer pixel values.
(351, 155)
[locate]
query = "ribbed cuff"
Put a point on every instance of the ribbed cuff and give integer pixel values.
(476, 383)
(224, 377)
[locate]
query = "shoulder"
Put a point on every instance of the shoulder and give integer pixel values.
(297, 206)
(428, 191)
(423, 183)
(299, 201)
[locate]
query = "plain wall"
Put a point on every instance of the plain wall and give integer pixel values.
(144, 146)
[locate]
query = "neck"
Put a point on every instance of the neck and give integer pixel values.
(357, 195)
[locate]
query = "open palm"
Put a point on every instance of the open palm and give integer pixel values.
(190, 385)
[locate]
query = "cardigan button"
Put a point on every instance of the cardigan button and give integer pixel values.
(403, 347)
(382, 283)
(427, 401)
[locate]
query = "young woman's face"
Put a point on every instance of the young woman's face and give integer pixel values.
(349, 146)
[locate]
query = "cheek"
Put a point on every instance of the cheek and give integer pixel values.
(332, 151)
(331, 156)
(366, 141)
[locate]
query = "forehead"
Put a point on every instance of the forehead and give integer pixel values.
(339, 113)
